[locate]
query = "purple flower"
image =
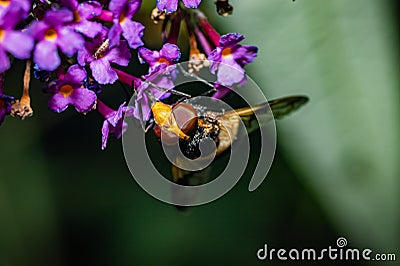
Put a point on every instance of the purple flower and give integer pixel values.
(52, 33)
(162, 77)
(82, 13)
(229, 58)
(23, 5)
(170, 6)
(221, 92)
(99, 55)
(168, 55)
(5, 102)
(70, 91)
(161, 73)
(17, 43)
(113, 121)
(132, 31)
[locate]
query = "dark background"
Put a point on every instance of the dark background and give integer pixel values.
(63, 201)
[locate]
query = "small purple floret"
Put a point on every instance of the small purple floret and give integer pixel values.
(113, 121)
(170, 6)
(100, 61)
(229, 58)
(70, 91)
(132, 31)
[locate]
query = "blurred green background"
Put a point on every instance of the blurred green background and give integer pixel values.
(63, 201)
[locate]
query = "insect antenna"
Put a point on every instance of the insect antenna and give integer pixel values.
(209, 92)
(179, 93)
(194, 76)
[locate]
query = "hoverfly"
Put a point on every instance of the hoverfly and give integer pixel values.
(192, 124)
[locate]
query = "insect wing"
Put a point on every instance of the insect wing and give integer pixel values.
(284, 106)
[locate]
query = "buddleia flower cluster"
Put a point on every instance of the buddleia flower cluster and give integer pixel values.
(76, 47)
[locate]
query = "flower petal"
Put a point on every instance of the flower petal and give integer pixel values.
(83, 100)
(191, 3)
(148, 56)
(142, 110)
(221, 92)
(19, 44)
(58, 17)
(11, 16)
(37, 30)
(58, 103)
(170, 52)
(244, 54)
(215, 58)
(69, 41)
(168, 6)
(104, 134)
(4, 60)
(84, 55)
(46, 55)
(114, 35)
(102, 71)
(75, 75)
(89, 9)
(119, 55)
(133, 32)
(117, 115)
(70, 4)
(230, 39)
(116, 6)
(229, 72)
(134, 7)
(88, 28)
(119, 129)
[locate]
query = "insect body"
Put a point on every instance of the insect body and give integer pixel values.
(164, 117)
(193, 124)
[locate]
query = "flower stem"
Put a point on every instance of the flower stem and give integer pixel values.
(203, 23)
(128, 78)
(203, 40)
(106, 16)
(22, 107)
(175, 28)
(103, 109)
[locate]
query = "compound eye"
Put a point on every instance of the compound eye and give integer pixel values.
(185, 116)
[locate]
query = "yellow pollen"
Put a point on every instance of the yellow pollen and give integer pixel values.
(163, 60)
(50, 34)
(1, 34)
(4, 3)
(77, 18)
(226, 52)
(66, 90)
(122, 18)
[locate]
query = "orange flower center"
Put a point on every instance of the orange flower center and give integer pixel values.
(50, 34)
(122, 18)
(162, 60)
(77, 18)
(66, 90)
(1, 34)
(226, 52)
(4, 3)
